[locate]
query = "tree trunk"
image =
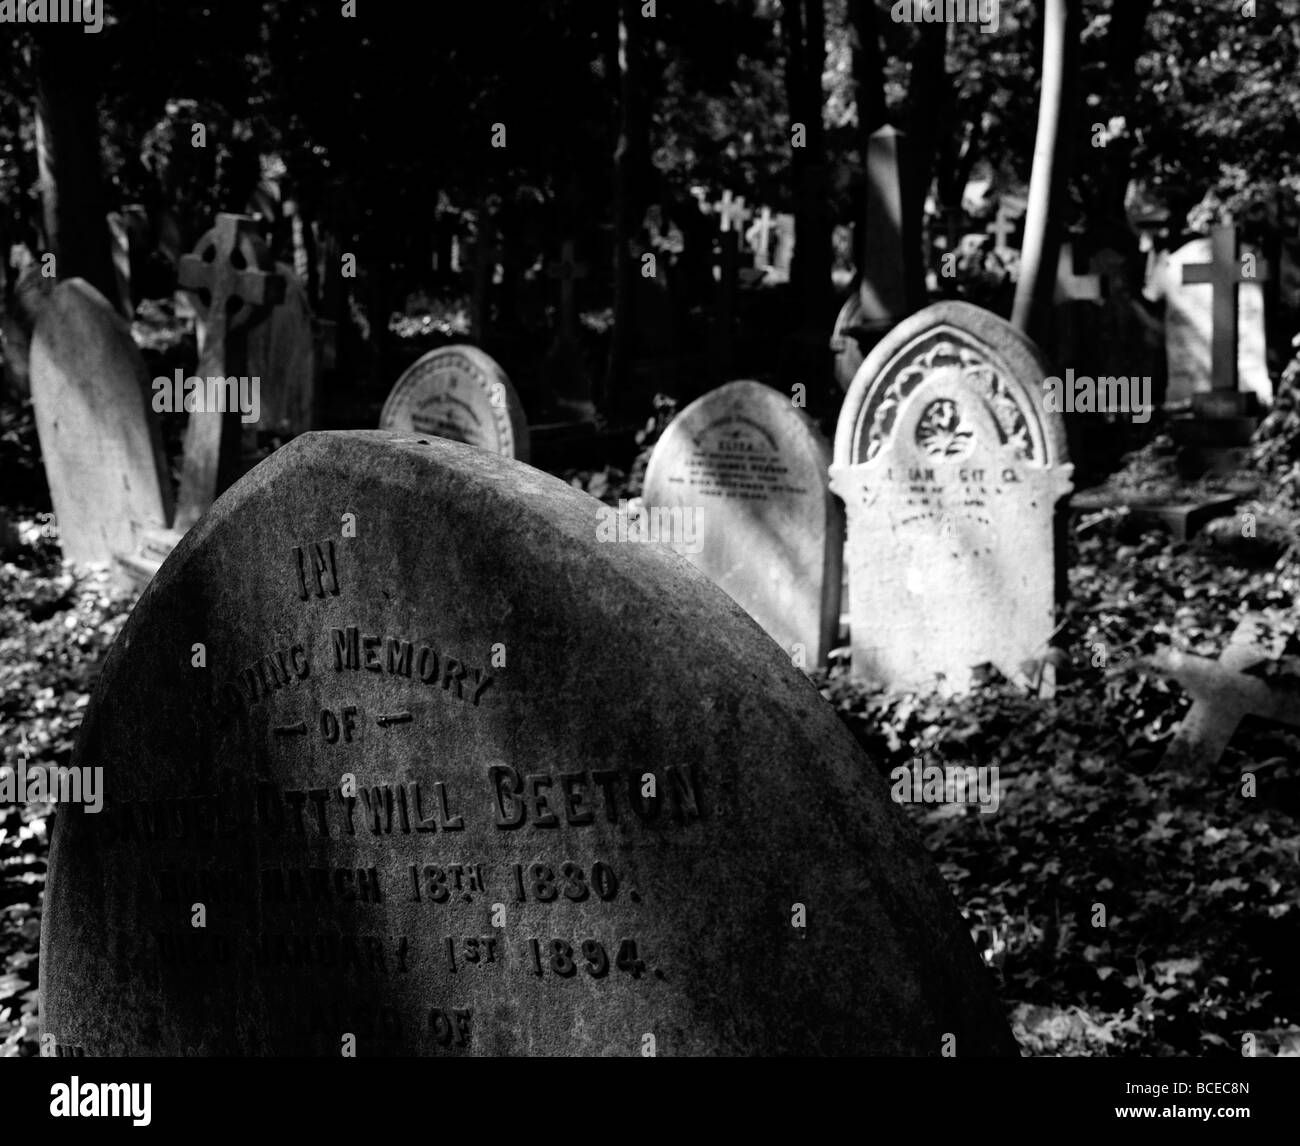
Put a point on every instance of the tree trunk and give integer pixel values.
(1050, 179)
(931, 101)
(67, 135)
(868, 69)
(632, 171)
(804, 26)
(1123, 43)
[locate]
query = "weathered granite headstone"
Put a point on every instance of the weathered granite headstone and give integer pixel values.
(1189, 327)
(101, 445)
(744, 473)
(459, 393)
(504, 689)
(950, 470)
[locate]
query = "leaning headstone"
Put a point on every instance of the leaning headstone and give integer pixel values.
(462, 394)
(101, 445)
(950, 470)
(282, 353)
(1189, 328)
(468, 781)
(742, 474)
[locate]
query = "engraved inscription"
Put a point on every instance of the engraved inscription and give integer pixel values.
(315, 570)
(737, 458)
(355, 651)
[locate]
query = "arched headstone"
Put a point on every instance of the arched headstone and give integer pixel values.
(744, 472)
(101, 446)
(462, 394)
(951, 470)
(594, 807)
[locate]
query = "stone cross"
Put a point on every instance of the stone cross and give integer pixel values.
(733, 211)
(567, 271)
(223, 274)
(759, 238)
(1222, 694)
(1071, 287)
(1225, 272)
(1002, 228)
(783, 226)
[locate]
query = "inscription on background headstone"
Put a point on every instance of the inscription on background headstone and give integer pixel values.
(950, 470)
(593, 802)
(459, 393)
(101, 446)
(748, 471)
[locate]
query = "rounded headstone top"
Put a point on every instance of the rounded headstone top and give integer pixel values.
(993, 358)
(459, 393)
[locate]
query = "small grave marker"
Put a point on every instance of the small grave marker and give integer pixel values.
(1223, 694)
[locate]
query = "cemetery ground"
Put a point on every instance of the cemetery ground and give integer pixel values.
(1125, 909)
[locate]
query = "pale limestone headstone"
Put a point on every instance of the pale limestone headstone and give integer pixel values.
(1189, 328)
(101, 445)
(748, 472)
(459, 393)
(951, 471)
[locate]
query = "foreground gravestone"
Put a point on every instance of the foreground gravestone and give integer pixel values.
(951, 471)
(101, 446)
(741, 474)
(461, 394)
(596, 810)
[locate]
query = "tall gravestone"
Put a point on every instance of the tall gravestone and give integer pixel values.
(229, 276)
(950, 471)
(1190, 300)
(594, 806)
(101, 445)
(462, 394)
(891, 282)
(747, 471)
(282, 353)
